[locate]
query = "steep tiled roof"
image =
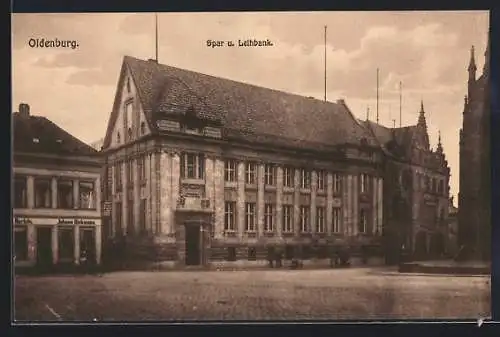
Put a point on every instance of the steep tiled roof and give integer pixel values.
(384, 135)
(36, 134)
(245, 111)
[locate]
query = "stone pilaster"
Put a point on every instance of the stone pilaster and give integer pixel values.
(147, 164)
(166, 193)
(124, 197)
(380, 204)
(31, 233)
(329, 203)
(76, 247)
(113, 196)
(355, 204)
(278, 219)
(219, 198)
(97, 195)
(98, 244)
(176, 185)
(136, 195)
(30, 192)
(260, 199)
(240, 201)
(55, 244)
(154, 191)
(296, 205)
(210, 180)
(314, 189)
(53, 190)
(76, 194)
(374, 205)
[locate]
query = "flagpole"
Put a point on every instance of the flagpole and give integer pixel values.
(156, 37)
(325, 62)
(377, 93)
(400, 102)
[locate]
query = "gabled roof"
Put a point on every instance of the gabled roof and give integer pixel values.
(245, 112)
(37, 134)
(402, 136)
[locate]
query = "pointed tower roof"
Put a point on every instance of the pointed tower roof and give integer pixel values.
(486, 68)
(439, 148)
(472, 63)
(421, 117)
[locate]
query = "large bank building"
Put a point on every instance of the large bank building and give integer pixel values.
(56, 195)
(201, 169)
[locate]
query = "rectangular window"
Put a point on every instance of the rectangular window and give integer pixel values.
(130, 217)
(142, 215)
(305, 178)
(66, 243)
(229, 216)
(288, 176)
(129, 108)
(43, 193)
(20, 192)
(287, 218)
(320, 219)
(304, 219)
(87, 195)
(118, 214)
(268, 218)
(337, 219)
(130, 174)
(231, 254)
(321, 180)
(250, 217)
(109, 182)
(20, 243)
(230, 170)
(141, 167)
(250, 173)
(364, 182)
(337, 183)
(65, 194)
(119, 177)
(193, 166)
(362, 221)
(269, 174)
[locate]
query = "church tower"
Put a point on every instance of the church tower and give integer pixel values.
(475, 195)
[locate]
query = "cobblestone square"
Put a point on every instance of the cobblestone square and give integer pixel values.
(250, 295)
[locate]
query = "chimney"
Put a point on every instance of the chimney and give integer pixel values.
(24, 109)
(153, 60)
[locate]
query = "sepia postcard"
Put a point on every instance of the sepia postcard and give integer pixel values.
(240, 166)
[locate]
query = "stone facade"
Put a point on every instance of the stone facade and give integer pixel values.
(474, 220)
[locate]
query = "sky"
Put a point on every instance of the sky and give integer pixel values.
(428, 52)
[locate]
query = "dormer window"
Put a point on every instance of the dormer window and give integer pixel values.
(128, 85)
(36, 140)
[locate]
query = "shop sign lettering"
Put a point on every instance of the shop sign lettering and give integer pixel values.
(62, 221)
(22, 221)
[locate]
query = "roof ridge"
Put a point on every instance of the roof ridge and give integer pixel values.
(232, 80)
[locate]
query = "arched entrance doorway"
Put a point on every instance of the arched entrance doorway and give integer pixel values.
(437, 248)
(420, 246)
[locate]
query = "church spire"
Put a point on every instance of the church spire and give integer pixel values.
(421, 116)
(486, 68)
(472, 65)
(439, 148)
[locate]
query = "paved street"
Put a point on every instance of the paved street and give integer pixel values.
(250, 295)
